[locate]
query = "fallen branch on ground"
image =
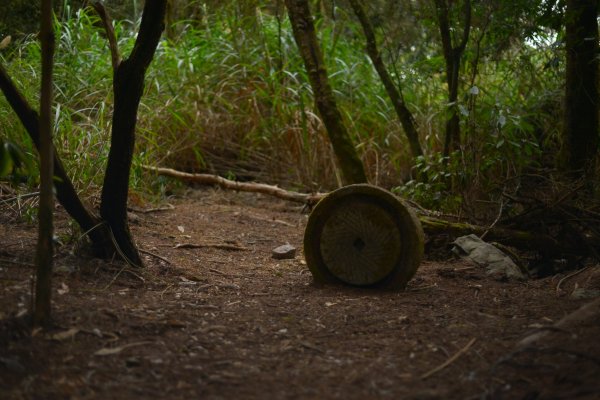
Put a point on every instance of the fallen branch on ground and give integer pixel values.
(168, 207)
(222, 246)
(156, 256)
(208, 179)
(450, 360)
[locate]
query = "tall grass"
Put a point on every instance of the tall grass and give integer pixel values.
(223, 99)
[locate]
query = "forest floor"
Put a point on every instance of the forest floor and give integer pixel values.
(225, 320)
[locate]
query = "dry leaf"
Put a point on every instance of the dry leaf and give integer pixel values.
(5, 42)
(63, 289)
(180, 228)
(68, 334)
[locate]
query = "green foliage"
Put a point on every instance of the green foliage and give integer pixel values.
(230, 96)
(15, 164)
(434, 191)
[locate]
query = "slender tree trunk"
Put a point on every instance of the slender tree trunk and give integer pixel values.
(128, 87)
(45, 251)
(403, 113)
(580, 132)
(452, 56)
(306, 39)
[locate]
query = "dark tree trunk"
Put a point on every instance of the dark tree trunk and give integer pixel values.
(306, 39)
(45, 249)
(452, 56)
(128, 86)
(580, 133)
(403, 113)
(65, 191)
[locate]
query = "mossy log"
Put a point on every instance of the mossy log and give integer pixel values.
(545, 244)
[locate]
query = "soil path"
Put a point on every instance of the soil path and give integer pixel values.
(224, 320)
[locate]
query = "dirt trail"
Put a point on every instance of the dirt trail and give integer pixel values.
(225, 320)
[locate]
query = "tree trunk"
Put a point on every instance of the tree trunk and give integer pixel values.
(45, 249)
(128, 87)
(306, 39)
(580, 132)
(452, 56)
(403, 113)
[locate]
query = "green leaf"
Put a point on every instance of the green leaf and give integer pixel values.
(6, 162)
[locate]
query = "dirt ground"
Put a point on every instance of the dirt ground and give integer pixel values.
(224, 320)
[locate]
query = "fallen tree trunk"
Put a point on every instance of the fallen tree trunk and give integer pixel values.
(545, 244)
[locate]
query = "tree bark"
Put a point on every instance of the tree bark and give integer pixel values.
(306, 39)
(580, 133)
(452, 56)
(45, 249)
(128, 87)
(395, 94)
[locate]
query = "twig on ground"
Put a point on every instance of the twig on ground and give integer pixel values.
(168, 207)
(569, 277)
(450, 360)
(15, 262)
(156, 256)
(216, 271)
(124, 269)
(222, 246)
(20, 197)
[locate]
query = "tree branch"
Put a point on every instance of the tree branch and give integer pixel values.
(403, 113)
(110, 34)
(466, 29)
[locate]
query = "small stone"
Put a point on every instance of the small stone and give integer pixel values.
(285, 252)
(133, 217)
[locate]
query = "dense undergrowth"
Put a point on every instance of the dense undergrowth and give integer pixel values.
(232, 99)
